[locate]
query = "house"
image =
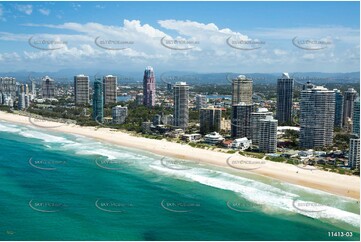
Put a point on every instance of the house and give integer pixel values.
(241, 143)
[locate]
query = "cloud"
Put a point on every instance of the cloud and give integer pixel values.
(27, 9)
(44, 11)
(211, 54)
(280, 52)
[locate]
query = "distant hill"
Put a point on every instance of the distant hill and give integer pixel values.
(67, 75)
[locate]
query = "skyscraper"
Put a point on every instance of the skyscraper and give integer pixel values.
(149, 87)
(48, 88)
(210, 120)
(8, 86)
(241, 90)
(81, 89)
(139, 99)
(317, 108)
(354, 154)
(181, 108)
(109, 89)
(24, 88)
(98, 104)
(241, 120)
(284, 99)
(268, 135)
(201, 101)
(21, 101)
(33, 88)
(261, 113)
(356, 117)
(23, 97)
(349, 98)
(338, 108)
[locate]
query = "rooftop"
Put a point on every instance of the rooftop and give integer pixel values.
(285, 75)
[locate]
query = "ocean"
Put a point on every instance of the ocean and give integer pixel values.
(56, 186)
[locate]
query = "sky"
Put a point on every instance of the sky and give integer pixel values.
(205, 37)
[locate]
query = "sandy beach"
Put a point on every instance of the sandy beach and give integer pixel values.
(342, 185)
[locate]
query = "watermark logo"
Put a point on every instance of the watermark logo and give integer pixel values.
(44, 122)
(238, 43)
(302, 80)
(47, 165)
(243, 163)
(305, 206)
(31, 78)
(99, 120)
(305, 165)
(310, 44)
(178, 44)
(174, 164)
(109, 164)
(112, 206)
(231, 76)
(46, 207)
(46, 44)
(112, 44)
(243, 207)
(179, 207)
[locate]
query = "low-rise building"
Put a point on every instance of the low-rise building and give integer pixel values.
(213, 138)
(146, 127)
(119, 114)
(191, 137)
(241, 143)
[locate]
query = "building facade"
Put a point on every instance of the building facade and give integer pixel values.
(48, 88)
(285, 86)
(268, 135)
(354, 154)
(261, 113)
(356, 117)
(242, 89)
(181, 105)
(119, 114)
(338, 108)
(317, 111)
(81, 90)
(8, 86)
(210, 120)
(149, 87)
(98, 103)
(109, 89)
(139, 99)
(349, 97)
(201, 101)
(241, 120)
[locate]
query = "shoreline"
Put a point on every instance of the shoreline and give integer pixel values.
(337, 184)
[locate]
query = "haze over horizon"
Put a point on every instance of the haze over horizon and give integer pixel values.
(148, 29)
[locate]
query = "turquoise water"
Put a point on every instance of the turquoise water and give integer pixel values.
(62, 187)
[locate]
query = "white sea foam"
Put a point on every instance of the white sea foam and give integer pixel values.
(45, 137)
(9, 128)
(34, 133)
(271, 199)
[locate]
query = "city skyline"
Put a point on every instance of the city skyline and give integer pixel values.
(212, 40)
(228, 119)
